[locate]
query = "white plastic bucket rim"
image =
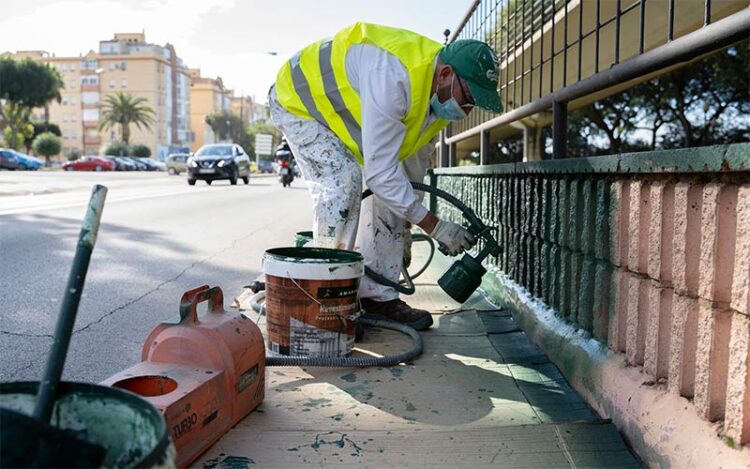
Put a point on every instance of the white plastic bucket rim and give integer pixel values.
(313, 263)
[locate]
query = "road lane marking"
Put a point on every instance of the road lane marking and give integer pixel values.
(113, 199)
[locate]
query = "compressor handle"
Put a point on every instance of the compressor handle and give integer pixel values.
(192, 298)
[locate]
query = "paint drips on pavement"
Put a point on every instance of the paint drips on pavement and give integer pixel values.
(350, 378)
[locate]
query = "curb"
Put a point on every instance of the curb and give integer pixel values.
(663, 428)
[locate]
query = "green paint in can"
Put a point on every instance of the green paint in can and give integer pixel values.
(132, 430)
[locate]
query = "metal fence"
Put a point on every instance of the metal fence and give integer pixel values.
(552, 52)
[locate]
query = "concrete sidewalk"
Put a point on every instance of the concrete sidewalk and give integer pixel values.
(480, 395)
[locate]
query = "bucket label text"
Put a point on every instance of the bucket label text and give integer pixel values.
(337, 292)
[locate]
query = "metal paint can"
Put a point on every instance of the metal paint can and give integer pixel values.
(311, 300)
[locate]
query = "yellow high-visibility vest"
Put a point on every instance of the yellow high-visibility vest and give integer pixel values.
(313, 84)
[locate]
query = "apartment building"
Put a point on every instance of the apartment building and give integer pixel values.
(249, 110)
(125, 63)
(207, 96)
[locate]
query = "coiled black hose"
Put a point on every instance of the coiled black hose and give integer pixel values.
(388, 360)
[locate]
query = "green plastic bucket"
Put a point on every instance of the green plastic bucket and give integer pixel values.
(302, 238)
(132, 430)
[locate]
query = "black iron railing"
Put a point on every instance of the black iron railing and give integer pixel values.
(538, 42)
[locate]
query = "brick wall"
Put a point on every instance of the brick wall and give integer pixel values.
(649, 253)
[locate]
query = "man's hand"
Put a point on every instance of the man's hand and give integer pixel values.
(453, 238)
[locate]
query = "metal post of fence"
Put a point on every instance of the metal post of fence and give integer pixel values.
(531, 55)
(541, 53)
(552, 52)
(580, 38)
(598, 27)
(442, 151)
(565, 46)
(642, 26)
(670, 21)
(618, 14)
(559, 129)
(433, 183)
(484, 147)
(523, 47)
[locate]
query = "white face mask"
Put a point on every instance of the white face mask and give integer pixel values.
(449, 110)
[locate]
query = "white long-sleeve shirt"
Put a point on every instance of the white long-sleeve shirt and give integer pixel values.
(382, 83)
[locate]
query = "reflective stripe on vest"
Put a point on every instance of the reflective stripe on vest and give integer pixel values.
(314, 85)
(334, 96)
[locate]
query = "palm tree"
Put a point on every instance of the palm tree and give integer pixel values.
(124, 109)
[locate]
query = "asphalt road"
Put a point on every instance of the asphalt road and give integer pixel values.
(159, 237)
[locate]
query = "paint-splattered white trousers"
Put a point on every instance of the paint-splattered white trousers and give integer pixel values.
(335, 181)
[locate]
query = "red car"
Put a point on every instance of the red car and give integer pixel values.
(89, 163)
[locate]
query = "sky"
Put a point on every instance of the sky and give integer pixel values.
(242, 41)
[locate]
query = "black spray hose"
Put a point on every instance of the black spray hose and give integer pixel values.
(331, 362)
(388, 360)
(407, 289)
(468, 213)
(423, 237)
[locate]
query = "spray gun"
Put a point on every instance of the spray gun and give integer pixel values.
(465, 275)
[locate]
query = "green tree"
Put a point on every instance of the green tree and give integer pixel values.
(24, 86)
(123, 109)
(8, 138)
(704, 102)
(117, 149)
(40, 128)
(140, 150)
(23, 137)
(47, 144)
(226, 125)
(605, 126)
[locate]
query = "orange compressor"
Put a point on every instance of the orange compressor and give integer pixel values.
(204, 374)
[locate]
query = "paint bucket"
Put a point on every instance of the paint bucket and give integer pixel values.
(311, 300)
(131, 430)
(302, 238)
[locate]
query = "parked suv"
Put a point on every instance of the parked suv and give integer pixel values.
(219, 161)
(177, 163)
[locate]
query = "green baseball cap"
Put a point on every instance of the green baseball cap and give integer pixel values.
(475, 62)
